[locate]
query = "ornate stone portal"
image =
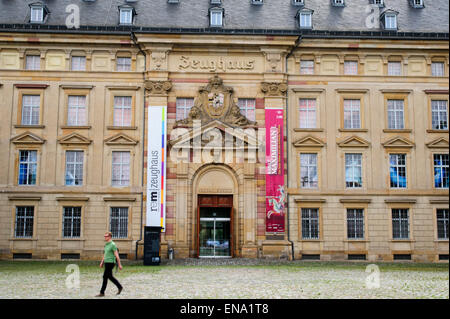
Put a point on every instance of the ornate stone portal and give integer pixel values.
(216, 102)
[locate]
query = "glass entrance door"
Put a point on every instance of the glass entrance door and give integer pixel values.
(215, 235)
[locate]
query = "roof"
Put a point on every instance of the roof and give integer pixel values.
(239, 14)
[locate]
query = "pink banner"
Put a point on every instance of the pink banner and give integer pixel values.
(275, 192)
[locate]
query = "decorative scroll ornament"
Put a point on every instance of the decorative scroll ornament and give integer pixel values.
(274, 88)
(216, 102)
(158, 87)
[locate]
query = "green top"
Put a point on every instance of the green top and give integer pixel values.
(110, 248)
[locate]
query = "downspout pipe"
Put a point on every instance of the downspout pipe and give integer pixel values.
(134, 39)
(297, 43)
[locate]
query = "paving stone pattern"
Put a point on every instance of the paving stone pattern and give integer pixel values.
(236, 278)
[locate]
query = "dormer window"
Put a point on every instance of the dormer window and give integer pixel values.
(38, 12)
(173, 1)
(389, 20)
(126, 15)
(379, 3)
(338, 3)
(304, 17)
(216, 2)
(418, 4)
(298, 2)
(257, 2)
(216, 17)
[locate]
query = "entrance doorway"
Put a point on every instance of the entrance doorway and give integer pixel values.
(215, 232)
(215, 226)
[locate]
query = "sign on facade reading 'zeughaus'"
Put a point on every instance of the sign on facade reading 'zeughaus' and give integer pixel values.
(156, 167)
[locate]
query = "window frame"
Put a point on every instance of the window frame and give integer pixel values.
(16, 217)
(406, 121)
(112, 180)
(390, 63)
(305, 13)
(215, 12)
(436, 99)
(82, 163)
(399, 166)
(299, 110)
(310, 224)
(401, 220)
(36, 167)
(361, 170)
(307, 68)
(78, 219)
(317, 187)
(356, 220)
(394, 112)
(120, 66)
(186, 109)
(244, 108)
(433, 155)
(36, 92)
(110, 222)
(37, 65)
(78, 57)
(130, 13)
(446, 230)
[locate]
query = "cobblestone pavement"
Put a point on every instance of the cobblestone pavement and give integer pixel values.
(236, 278)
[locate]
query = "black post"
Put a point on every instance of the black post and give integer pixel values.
(152, 239)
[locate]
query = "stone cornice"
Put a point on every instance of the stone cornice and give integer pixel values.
(158, 88)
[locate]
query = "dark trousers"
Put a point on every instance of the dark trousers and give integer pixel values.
(108, 274)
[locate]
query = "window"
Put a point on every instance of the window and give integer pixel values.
(122, 111)
(306, 67)
(355, 223)
(310, 223)
(124, 64)
(307, 111)
(33, 62)
(352, 117)
(400, 224)
(338, 3)
(353, 170)
(71, 222)
(390, 21)
(184, 106)
(442, 223)
(298, 2)
(74, 168)
(247, 107)
(439, 115)
(78, 63)
(27, 167)
(441, 170)
(120, 169)
(126, 15)
(76, 110)
(437, 69)
(305, 19)
(31, 105)
(308, 170)
(119, 222)
(216, 1)
(351, 67)
(216, 17)
(36, 14)
(379, 3)
(396, 114)
(24, 222)
(417, 3)
(397, 170)
(257, 1)
(394, 68)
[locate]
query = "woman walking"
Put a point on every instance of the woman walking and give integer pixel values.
(109, 260)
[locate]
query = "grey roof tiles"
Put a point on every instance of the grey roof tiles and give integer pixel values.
(239, 14)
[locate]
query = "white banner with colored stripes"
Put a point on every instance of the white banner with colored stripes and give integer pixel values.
(156, 166)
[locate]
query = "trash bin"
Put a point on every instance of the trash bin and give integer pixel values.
(152, 236)
(170, 253)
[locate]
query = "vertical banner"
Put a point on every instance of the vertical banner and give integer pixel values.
(156, 166)
(275, 192)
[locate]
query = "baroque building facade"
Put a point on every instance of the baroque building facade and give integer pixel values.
(326, 140)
